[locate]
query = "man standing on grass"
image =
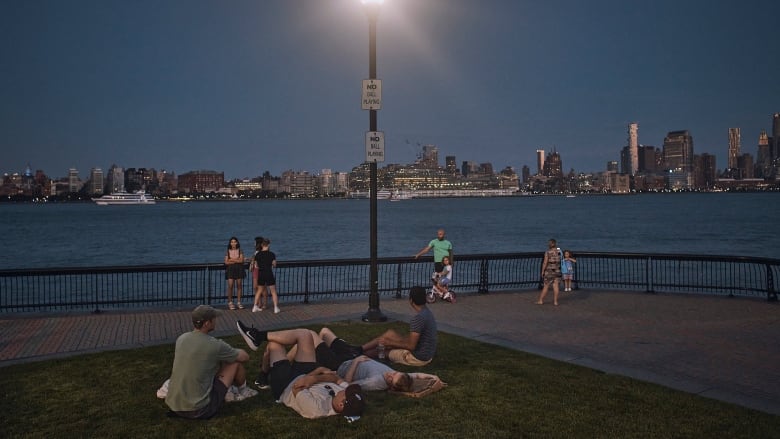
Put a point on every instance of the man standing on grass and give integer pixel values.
(204, 368)
(441, 248)
(301, 384)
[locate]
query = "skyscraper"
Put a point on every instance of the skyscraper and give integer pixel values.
(734, 147)
(678, 151)
(633, 146)
(775, 150)
(539, 161)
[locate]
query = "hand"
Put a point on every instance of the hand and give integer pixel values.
(303, 383)
(361, 359)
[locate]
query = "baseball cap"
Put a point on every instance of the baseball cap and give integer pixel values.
(354, 401)
(203, 313)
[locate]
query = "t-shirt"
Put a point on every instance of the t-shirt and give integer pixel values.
(314, 402)
(440, 249)
(369, 374)
(196, 361)
(265, 261)
(424, 324)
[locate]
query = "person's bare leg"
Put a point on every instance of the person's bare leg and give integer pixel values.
(555, 292)
(544, 293)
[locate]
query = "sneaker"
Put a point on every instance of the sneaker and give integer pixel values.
(232, 395)
(249, 335)
(247, 392)
(256, 309)
(262, 381)
(277, 310)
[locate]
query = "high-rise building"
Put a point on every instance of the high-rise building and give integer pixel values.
(678, 151)
(96, 181)
(734, 147)
(74, 183)
(763, 157)
(633, 147)
(647, 159)
(430, 156)
(201, 181)
(612, 166)
(776, 136)
(745, 165)
(539, 161)
(116, 179)
(450, 164)
(553, 166)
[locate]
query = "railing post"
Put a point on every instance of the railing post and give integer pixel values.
(483, 277)
(95, 287)
(399, 281)
(206, 287)
(649, 275)
(771, 294)
(306, 287)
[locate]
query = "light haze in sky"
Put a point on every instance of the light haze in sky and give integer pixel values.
(244, 87)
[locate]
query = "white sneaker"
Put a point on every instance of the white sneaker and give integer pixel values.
(256, 309)
(277, 310)
(247, 392)
(232, 395)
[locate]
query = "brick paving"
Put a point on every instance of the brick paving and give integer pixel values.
(717, 347)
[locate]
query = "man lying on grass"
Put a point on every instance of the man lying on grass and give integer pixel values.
(204, 368)
(300, 383)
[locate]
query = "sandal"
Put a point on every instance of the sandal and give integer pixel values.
(240, 305)
(231, 306)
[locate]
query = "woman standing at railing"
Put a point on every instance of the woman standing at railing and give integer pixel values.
(551, 271)
(234, 272)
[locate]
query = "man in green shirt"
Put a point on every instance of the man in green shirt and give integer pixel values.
(441, 248)
(204, 368)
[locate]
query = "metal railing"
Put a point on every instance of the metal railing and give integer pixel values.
(160, 286)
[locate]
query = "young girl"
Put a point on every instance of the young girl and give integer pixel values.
(266, 262)
(253, 268)
(444, 279)
(567, 269)
(234, 271)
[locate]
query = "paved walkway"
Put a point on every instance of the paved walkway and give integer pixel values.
(717, 347)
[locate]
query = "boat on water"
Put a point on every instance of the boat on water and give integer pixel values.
(400, 195)
(124, 198)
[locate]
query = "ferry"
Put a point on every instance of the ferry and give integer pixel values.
(124, 198)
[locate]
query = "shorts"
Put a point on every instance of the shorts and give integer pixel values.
(216, 399)
(444, 281)
(403, 356)
(283, 373)
(334, 355)
(568, 276)
(234, 271)
(266, 279)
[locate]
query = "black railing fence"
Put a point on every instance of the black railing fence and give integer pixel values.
(107, 288)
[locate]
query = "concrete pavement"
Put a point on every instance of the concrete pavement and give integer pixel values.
(717, 347)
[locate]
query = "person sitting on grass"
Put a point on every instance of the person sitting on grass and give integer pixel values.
(419, 346)
(311, 390)
(204, 368)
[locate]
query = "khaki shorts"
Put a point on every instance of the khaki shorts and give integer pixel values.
(403, 356)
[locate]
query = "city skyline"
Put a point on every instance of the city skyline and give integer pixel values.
(275, 85)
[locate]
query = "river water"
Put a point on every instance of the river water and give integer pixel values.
(84, 234)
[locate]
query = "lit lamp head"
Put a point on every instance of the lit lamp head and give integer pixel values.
(372, 7)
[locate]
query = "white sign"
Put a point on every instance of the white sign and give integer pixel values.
(372, 94)
(375, 146)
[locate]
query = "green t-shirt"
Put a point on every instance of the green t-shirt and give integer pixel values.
(196, 362)
(440, 249)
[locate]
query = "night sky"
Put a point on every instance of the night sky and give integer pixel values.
(248, 86)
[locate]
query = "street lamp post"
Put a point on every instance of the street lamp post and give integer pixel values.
(374, 314)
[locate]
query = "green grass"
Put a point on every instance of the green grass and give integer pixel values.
(493, 392)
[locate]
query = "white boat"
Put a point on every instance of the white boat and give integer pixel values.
(139, 197)
(400, 195)
(383, 194)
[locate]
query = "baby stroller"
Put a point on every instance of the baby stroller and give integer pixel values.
(438, 292)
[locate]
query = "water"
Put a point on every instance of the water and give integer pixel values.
(84, 234)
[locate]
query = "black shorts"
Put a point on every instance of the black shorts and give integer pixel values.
(216, 400)
(267, 279)
(334, 355)
(283, 373)
(234, 271)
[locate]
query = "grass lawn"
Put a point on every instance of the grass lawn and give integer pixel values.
(493, 392)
